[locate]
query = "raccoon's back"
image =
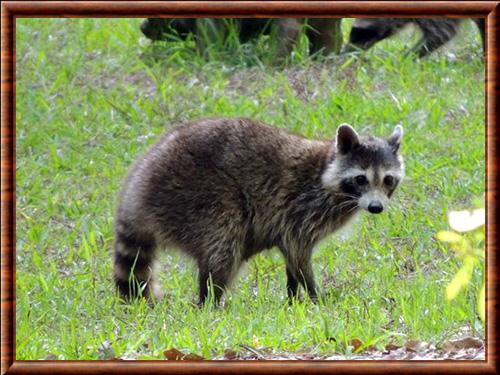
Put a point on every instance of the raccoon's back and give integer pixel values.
(209, 152)
(210, 168)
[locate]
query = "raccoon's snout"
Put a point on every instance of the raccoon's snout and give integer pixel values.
(375, 207)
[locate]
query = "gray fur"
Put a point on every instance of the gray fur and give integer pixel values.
(222, 190)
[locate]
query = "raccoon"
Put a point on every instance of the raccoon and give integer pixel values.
(223, 190)
(159, 28)
(324, 34)
(435, 32)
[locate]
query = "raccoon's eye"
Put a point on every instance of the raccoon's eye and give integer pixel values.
(361, 179)
(389, 181)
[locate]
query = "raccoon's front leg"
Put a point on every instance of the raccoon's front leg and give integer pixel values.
(325, 35)
(292, 284)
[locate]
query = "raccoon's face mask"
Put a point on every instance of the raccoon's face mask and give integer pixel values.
(366, 170)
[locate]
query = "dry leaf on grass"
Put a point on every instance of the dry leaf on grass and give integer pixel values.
(390, 347)
(173, 354)
(465, 343)
(230, 354)
(415, 346)
(356, 344)
(176, 355)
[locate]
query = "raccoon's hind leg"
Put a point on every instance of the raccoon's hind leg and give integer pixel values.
(286, 33)
(217, 269)
(134, 256)
(299, 270)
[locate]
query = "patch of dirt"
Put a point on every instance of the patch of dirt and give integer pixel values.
(468, 348)
(306, 83)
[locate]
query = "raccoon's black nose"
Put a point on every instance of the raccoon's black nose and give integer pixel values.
(375, 207)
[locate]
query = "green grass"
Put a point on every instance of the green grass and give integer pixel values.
(92, 94)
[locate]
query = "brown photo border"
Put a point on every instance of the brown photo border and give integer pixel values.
(10, 10)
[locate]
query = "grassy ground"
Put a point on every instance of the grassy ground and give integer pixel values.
(93, 94)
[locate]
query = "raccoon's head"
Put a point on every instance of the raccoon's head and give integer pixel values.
(365, 170)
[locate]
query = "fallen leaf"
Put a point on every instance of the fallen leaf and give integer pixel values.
(192, 357)
(465, 343)
(415, 346)
(173, 354)
(176, 355)
(390, 347)
(230, 354)
(356, 344)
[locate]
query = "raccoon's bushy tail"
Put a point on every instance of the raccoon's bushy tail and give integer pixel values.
(134, 257)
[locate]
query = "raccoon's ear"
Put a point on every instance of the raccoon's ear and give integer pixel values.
(395, 138)
(347, 139)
